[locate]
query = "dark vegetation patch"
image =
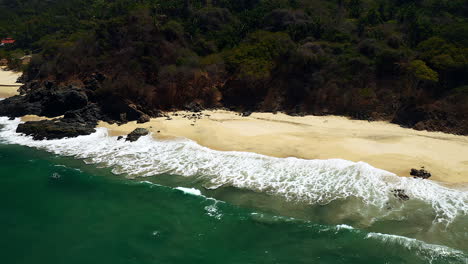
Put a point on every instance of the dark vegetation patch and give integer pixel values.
(404, 61)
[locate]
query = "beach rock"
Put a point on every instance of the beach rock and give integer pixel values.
(91, 114)
(55, 129)
(246, 113)
(422, 173)
(136, 134)
(43, 101)
(193, 107)
(143, 119)
(17, 106)
(58, 102)
(400, 194)
(120, 109)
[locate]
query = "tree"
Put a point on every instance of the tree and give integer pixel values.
(421, 72)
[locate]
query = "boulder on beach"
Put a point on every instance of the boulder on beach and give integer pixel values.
(422, 173)
(55, 129)
(143, 119)
(136, 134)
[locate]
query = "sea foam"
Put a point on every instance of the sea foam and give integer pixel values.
(311, 181)
(191, 191)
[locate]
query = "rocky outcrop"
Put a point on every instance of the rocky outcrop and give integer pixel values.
(55, 129)
(444, 115)
(121, 110)
(46, 100)
(136, 134)
(91, 113)
(80, 113)
(17, 106)
(58, 102)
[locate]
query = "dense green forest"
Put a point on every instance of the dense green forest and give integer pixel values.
(400, 60)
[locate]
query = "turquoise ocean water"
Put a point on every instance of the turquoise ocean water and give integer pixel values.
(56, 209)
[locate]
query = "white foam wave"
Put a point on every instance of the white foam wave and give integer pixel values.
(343, 226)
(313, 181)
(429, 251)
(191, 191)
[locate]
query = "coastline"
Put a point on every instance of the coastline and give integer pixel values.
(381, 144)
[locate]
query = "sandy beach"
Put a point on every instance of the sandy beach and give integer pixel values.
(8, 85)
(381, 144)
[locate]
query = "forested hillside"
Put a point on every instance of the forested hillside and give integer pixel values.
(399, 60)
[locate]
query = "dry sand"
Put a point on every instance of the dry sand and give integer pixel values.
(8, 85)
(381, 144)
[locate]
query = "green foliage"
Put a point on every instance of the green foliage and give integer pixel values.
(419, 70)
(442, 55)
(256, 56)
(317, 42)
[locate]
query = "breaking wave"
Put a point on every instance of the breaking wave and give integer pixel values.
(310, 181)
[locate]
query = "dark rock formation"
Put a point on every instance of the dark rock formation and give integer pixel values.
(55, 129)
(58, 102)
(119, 109)
(136, 134)
(422, 173)
(143, 119)
(45, 101)
(400, 194)
(89, 114)
(17, 106)
(80, 116)
(193, 107)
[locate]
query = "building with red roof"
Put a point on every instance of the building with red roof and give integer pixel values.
(6, 41)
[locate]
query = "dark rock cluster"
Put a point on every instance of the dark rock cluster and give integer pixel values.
(55, 129)
(80, 107)
(136, 134)
(400, 194)
(422, 173)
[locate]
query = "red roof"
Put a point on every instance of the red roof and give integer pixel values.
(8, 41)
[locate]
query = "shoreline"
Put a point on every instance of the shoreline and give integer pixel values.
(381, 144)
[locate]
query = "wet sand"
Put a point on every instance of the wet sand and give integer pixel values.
(381, 144)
